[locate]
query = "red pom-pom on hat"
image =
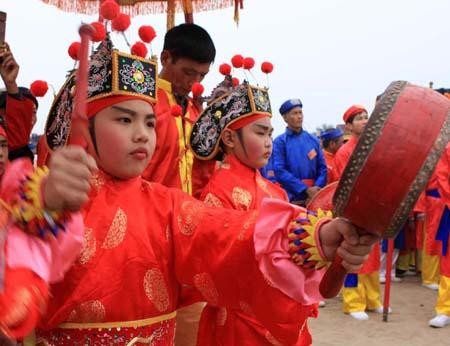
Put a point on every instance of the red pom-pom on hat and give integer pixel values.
(99, 32)
(197, 90)
(39, 88)
(225, 69)
(147, 33)
(237, 61)
(235, 81)
(109, 9)
(139, 49)
(121, 22)
(74, 50)
(267, 67)
(248, 63)
(176, 110)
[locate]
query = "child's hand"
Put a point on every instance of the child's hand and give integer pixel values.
(67, 185)
(343, 238)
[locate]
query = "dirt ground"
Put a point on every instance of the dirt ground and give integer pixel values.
(412, 305)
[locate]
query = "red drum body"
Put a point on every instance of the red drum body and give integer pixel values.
(394, 158)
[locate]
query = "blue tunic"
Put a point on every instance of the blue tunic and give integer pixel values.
(298, 156)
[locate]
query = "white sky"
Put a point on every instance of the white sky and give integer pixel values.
(328, 53)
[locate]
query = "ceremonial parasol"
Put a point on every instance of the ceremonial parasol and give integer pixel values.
(141, 7)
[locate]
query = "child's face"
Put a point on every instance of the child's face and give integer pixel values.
(3, 154)
(125, 137)
(255, 146)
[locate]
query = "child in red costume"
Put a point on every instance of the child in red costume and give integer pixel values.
(246, 143)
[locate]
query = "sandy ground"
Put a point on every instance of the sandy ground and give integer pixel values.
(413, 306)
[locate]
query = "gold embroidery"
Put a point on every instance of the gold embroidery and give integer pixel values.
(205, 285)
(88, 312)
(221, 316)
(242, 198)
(272, 340)
(156, 290)
(97, 181)
(89, 246)
(263, 186)
(247, 225)
(245, 307)
(117, 230)
(212, 200)
(188, 219)
(18, 312)
(268, 281)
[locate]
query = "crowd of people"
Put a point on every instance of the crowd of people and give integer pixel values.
(181, 223)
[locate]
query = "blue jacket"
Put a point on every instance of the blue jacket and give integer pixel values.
(267, 171)
(298, 156)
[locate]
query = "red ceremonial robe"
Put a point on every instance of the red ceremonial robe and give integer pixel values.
(142, 242)
(237, 186)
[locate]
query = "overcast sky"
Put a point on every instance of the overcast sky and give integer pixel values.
(328, 53)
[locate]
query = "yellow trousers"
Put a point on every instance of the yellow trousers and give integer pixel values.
(443, 300)
(365, 296)
(406, 260)
(430, 268)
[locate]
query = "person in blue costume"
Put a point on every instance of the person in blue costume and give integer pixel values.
(298, 160)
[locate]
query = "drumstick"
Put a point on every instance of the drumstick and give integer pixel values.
(79, 128)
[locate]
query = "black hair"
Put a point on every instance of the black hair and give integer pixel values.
(190, 41)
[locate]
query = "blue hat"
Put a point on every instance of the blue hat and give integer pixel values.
(289, 104)
(331, 134)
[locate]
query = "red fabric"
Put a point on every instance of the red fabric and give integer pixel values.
(165, 165)
(352, 111)
(245, 121)
(19, 117)
(136, 259)
(372, 264)
(96, 106)
(236, 186)
(434, 207)
(43, 154)
(22, 302)
(343, 155)
(332, 175)
(3, 132)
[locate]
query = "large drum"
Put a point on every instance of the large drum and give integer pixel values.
(392, 162)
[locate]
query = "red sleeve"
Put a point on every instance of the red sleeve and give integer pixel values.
(22, 302)
(18, 116)
(214, 252)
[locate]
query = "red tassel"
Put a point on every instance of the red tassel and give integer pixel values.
(121, 23)
(147, 33)
(39, 88)
(267, 67)
(225, 69)
(139, 49)
(74, 49)
(237, 61)
(235, 81)
(249, 63)
(197, 90)
(109, 9)
(176, 110)
(100, 32)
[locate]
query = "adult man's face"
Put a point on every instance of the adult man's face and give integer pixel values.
(182, 73)
(294, 118)
(358, 123)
